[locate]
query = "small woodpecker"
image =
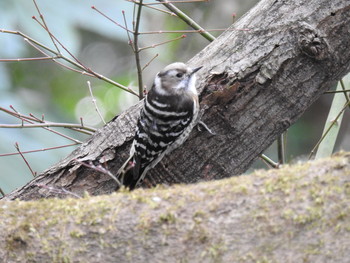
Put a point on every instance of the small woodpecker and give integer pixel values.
(169, 113)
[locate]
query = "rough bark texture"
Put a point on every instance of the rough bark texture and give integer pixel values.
(299, 213)
(255, 83)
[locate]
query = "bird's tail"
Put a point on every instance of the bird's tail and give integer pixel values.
(128, 180)
(128, 174)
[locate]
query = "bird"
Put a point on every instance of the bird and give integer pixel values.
(169, 113)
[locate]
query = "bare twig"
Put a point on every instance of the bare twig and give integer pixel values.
(281, 148)
(190, 31)
(13, 108)
(24, 159)
(99, 76)
(26, 59)
(149, 62)
(16, 114)
(162, 43)
(268, 161)
(170, 2)
(137, 49)
(45, 26)
(329, 128)
(188, 20)
(159, 10)
(48, 124)
(94, 102)
(344, 90)
(326, 146)
(43, 123)
(32, 120)
(110, 19)
(152, 7)
(2, 192)
(336, 91)
(234, 16)
(127, 31)
(64, 47)
(100, 169)
(39, 150)
(55, 59)
(57, 190)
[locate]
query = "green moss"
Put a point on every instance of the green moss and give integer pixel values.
(307, 216)
(76, 234)
(285, 183)
(215, 252)
(312, 214)
(279, 202)
(167, 218)
(198, 234)
(144, 223)
(198, 216)
(315, 248)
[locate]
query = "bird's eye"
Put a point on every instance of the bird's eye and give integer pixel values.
(179, 75)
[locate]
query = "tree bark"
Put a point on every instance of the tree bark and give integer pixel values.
(257, 79)
(295, 214)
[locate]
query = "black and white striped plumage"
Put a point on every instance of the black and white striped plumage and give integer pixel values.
(168, 115)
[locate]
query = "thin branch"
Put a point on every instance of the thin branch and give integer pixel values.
(45, 26)
(110, 19)
(24, 159)
(269, 162)
(38, 150)
(54, 59)
(99, 76)
(133, 17)
(94, 102)
(26, 59)
(137, 50)
(281, 148)
(149, 62)
(32, 120)
(188, 20)
(159, 10)
(42, 123)
(153, 8)
(234, 16)
(326, 146)
(66, 49)
(162, 43)
(329, 128)
(83, 72)
(16, 111)
(36, 118)
(344, 90)
(100, 169)
(2, 192)
(18, 115)
(127, 32)
(336, 91)
(170, 2)
(191, 31)
(57, 190)
(48, 124)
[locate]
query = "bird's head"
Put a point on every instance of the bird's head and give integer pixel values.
(176, 78)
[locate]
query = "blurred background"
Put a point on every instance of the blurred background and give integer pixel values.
(43, 87)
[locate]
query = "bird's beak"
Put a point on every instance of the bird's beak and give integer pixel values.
(196, 69)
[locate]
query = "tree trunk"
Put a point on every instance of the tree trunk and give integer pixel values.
(257, 79)
(296, 214)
